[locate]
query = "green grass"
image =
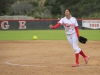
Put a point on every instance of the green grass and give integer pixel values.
(91, 34)
(45, 34)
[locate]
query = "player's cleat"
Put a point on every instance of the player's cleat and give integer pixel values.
(86, 59)
(75, 65)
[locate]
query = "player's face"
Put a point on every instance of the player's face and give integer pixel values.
(67, 13)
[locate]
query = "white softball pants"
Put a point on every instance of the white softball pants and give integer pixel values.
(73, 40)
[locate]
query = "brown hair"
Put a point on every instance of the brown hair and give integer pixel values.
(68, 10)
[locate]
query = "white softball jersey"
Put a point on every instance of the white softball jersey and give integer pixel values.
(69, 24)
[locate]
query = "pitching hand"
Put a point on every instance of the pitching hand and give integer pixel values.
(51, 26)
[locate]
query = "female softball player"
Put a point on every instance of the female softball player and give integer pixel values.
(71, 28)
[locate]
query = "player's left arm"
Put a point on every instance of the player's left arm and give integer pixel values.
(76, 28)
(80, 38)
(77, 31)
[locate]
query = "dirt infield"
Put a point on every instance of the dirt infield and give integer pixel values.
(46, 57)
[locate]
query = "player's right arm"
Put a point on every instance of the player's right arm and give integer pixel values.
(55, 26)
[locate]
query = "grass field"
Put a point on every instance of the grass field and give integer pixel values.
(45, 34)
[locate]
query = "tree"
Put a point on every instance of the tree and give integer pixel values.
(22, 8)
(5, 5)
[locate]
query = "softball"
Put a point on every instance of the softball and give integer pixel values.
(35, 37)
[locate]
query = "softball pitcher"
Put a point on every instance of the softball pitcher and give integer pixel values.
(71, 28)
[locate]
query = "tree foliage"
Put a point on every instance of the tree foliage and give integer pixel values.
(56, 8)
(22, 8)
(5, 6)
(79, 8)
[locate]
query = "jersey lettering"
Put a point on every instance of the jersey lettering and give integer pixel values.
(69, 25)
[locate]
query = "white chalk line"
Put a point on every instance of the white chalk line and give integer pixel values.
(13, 64)
(9, 62)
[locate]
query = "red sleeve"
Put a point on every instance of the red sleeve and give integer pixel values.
(77, 32)
(56, 26)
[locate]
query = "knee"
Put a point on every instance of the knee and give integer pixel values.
(77, 49)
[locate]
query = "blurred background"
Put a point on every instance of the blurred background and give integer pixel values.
(46, 9)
